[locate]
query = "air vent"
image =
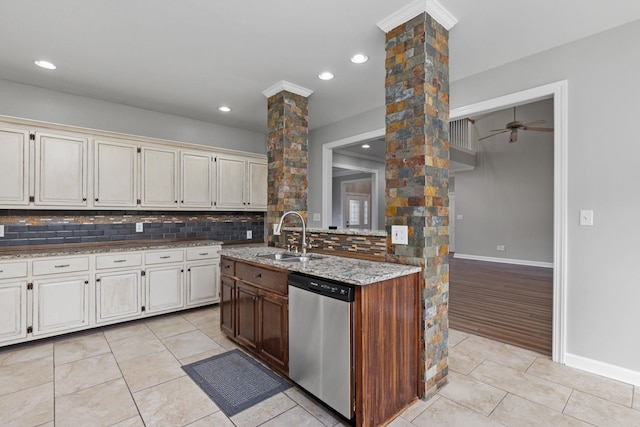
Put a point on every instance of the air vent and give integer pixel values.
(460, 135)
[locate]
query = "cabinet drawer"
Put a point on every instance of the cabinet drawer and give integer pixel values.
(118, 260)
(205, 252)
(228, 267)
(274, 280)
(164, 256)
(60, 265)
(9, 270)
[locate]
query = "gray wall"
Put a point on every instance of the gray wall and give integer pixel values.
(603, 175)
(30, 102)
(603, 150)
(508, 198)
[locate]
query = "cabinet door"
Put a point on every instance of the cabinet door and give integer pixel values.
(247, 315)
(159, 177)
(60, 305)
(230, 182)
(257, 185)
(118, 296)
(14, 167)
(61, 170)
(228, 305)
(13, 310)
(274, 323)
(165, 289)
(115, 180)
(195, 185)
(202, 283)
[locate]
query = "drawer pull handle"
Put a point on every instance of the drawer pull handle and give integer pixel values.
(165, 257)
(1, 271)
(119, 260)
(227, 266)
(203, 253)
(61, 266)
(257, 275)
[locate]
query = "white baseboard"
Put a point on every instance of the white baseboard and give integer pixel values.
(504, 260)
(601, 368)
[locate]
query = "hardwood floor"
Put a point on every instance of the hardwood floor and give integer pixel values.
(509, 303)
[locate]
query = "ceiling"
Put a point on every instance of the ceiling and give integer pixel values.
(188, 57)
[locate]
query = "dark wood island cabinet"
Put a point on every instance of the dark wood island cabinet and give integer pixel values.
(386, 357)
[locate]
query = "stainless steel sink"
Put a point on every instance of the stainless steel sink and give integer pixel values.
(289, 257)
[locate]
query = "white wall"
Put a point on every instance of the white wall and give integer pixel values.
(603, 293)
(30, 102)
(603, 290)
(508, 198)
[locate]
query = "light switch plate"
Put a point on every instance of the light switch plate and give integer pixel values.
(1, 230)
(139, 227)
(459, 216)
(316, 217)
(586, 217)
(400, 234)
(249, 234)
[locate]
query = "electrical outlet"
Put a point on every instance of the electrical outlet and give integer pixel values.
(1, 230)
(249, 234)
(139, 227)
(501, 248)
(400, 234)
(459, 216)
(316, 217)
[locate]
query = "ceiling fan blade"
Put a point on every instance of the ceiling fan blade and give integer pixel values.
(537, 122)
(540, 129)
(514, 135)
(498, 130)
(493, 134)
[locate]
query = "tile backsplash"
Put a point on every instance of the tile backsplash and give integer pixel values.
(51, 227)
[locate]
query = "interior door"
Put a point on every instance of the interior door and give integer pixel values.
(357, 211)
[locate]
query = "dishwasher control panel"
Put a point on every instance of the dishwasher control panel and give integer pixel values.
(323, 287)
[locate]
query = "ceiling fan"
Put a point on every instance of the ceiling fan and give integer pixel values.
(515, 125)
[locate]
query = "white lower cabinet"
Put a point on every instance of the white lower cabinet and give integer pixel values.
(46, 296)
(203, 283)
(165, 288)
(118, 296)
(60, 304)
(13, 313)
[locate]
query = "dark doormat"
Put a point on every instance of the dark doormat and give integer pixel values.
(235, 381)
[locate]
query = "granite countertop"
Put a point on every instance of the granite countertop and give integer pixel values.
(342, 269)
(13, 252)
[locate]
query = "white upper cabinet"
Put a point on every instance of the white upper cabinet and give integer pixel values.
(60, 170)
(115, 173)
(196, 184)
(159, 177)
(230, 179)
(242, 183)
(55, 167)
(257, 185)
(14, 167)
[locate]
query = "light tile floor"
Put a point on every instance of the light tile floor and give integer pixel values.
(130, 375)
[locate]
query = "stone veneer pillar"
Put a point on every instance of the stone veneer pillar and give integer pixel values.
(417, 173)
(287, 148)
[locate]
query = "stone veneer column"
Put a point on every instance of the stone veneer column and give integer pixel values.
(417, 173)
(287, 148)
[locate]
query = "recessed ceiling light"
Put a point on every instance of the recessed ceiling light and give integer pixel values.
(366, 146)
(224, 109)
(45, 64)
(359, 58)
(325, 76)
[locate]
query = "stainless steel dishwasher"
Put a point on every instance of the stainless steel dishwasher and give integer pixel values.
(320, 340)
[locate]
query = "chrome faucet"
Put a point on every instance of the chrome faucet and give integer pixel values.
(276, 231)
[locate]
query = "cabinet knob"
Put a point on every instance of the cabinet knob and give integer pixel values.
(84, 199)
(257, 275)
(96, 199)
(175, 201)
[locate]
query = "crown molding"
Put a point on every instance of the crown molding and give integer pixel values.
(289, 87)
(413, 9)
